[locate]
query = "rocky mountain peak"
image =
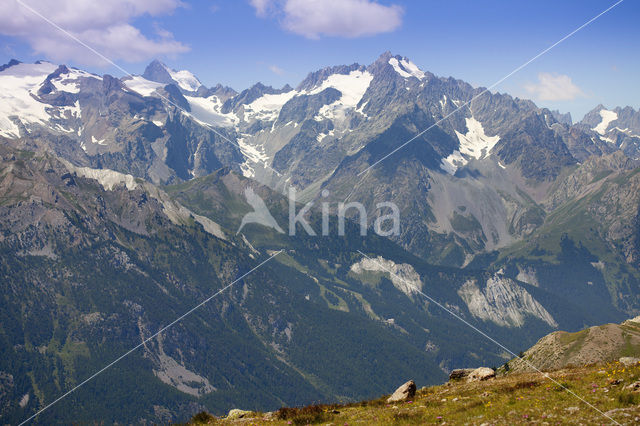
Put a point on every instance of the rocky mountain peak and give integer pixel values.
(157, 71)
(251, 94)
(593, 117)
(10, 64)
(161, 73)
(392, 66)
(314, 79)
(562, 118)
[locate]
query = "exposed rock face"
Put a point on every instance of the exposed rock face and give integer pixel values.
(178, 214)
(633, 387)
(481, 374)
(403, 276)
(619, 128)
(528, 275)
(503, 302)
(173, 373)
(501, 152)
(404, 392)
(460, 373)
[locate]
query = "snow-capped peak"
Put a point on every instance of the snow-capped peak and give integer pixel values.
(161, 73)
(406, 68)
(185, 79)
(19, 84)
(69, 81)
(352, 86)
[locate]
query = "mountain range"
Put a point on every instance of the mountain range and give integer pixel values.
(120, 201)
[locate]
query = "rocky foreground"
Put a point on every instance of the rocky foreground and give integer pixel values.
(612, 390)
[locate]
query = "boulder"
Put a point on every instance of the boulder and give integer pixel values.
(238, 414)
(633, 387)
(628, 361)
(480, 374)
(460, 373)
(404, 392)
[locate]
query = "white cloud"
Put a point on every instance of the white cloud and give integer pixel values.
(276, 69)
(103, 25)
(261, 6)
(334, 18)
(554, 87)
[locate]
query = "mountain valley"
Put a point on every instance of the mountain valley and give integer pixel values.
(122, 204)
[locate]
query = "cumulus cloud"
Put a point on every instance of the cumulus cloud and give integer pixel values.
(104, 25)
(554, 87)
(333, 18)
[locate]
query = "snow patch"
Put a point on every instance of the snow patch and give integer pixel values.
(70, 82)
(406, 68)
(361, 109)
(607, 118)
(267, 107)
(321, 136)
(18, 89)
(443, 101)
(98, 141)
(69, 111)
(141, 85)
(253, 155)
(474, 144)
(352, 86)
(185, 79)
(208, 111)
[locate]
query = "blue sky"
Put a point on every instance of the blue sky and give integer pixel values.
(240, 42)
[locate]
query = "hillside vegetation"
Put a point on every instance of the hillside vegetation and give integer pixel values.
(515, 398)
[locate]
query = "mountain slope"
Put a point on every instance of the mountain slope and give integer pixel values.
(594, 345)
(587, 246)
(121, 202)
(95, 261)
(92, 268)
(335, 124)
(512, 399)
